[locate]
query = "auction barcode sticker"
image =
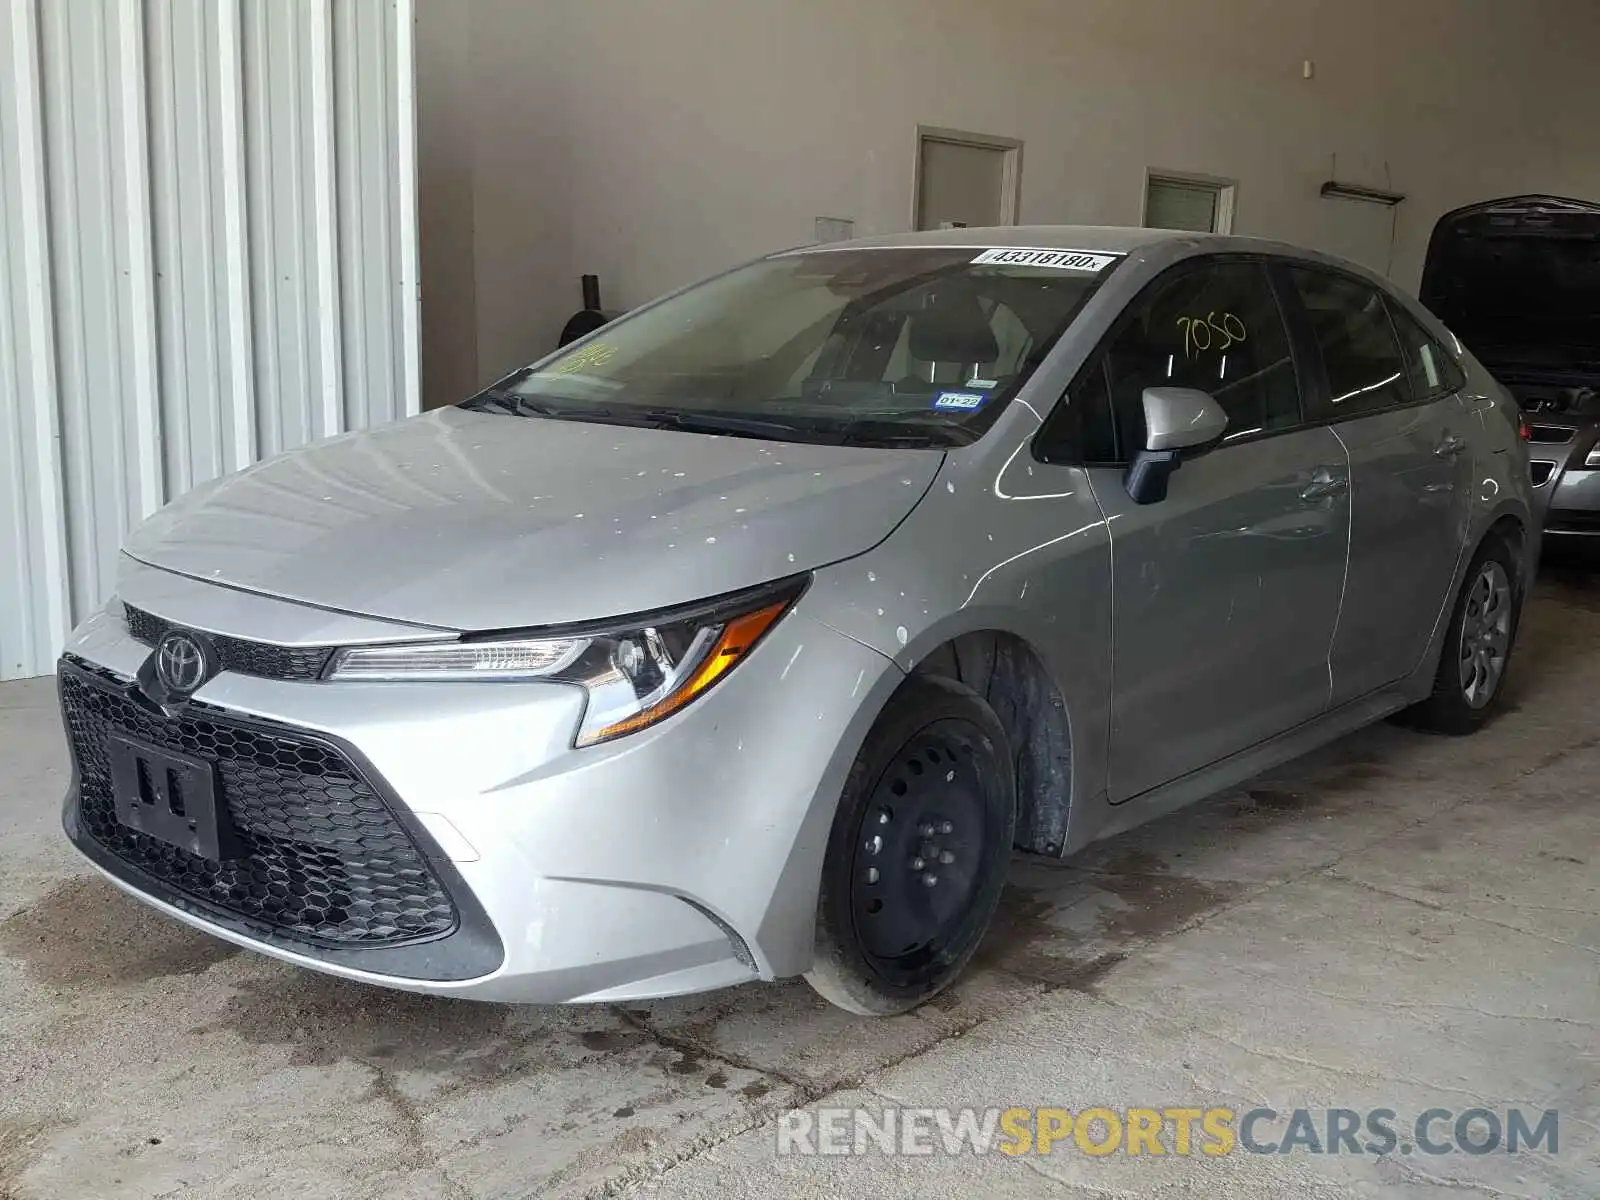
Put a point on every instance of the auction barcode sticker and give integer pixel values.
(1061, 260)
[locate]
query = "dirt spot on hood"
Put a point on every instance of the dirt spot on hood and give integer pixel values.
(86, 933)
(324, 1020)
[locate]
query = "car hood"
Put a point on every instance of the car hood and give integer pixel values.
(480, 521)
(1518, 281)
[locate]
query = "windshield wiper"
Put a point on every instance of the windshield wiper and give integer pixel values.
(517, 405)
(691, 421)
(696, 421)
(833, 430)
(501, 402)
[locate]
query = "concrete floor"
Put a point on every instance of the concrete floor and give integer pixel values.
(1401, 921)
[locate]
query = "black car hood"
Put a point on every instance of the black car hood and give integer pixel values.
(1518, 281)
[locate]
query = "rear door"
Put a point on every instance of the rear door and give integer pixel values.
(1389, 391)
(1225, 593)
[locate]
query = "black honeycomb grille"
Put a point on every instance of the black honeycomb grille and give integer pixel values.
(238, 654)
(321, 857)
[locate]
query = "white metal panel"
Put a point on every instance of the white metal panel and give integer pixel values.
(207, 255)
(33, 594)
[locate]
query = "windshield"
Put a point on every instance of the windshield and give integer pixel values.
(888, 347)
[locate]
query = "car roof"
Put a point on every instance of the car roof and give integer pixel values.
(1112, 239)
(1165, 246)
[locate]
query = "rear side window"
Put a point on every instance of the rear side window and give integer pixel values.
(1429, 366)
(1359, 351)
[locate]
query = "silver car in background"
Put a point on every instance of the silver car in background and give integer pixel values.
(749, 636)
(1515, 278)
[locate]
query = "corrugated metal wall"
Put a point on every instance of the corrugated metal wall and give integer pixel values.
(207, 255)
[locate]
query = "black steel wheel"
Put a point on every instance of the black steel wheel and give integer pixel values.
(918, 852)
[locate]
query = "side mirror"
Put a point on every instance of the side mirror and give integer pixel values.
(1179, 423)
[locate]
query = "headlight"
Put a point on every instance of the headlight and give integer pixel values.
(635, 675)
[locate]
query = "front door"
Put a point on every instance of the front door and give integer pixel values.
(1390, 391)
(1225, 593)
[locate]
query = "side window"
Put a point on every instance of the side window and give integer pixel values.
(1359, 352)
(1216, 328)
(1429, 366)
(1080, 430)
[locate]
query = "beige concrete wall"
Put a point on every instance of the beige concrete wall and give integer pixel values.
(654, 141)
(494, 203)
(446, 103)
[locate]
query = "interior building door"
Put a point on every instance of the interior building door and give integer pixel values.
(966, 180)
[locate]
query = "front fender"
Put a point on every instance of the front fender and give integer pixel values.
(1026, 555)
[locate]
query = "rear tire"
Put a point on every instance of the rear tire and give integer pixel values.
(918, 852)
(1470, 681)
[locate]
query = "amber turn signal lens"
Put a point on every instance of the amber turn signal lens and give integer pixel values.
(739, 637)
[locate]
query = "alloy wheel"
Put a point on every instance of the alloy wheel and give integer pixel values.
(1485, 634)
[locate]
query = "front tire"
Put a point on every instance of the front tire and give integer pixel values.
(918, 852)
(1470, 681)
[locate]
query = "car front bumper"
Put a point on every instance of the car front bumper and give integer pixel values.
(1573, 510)
(678, 859)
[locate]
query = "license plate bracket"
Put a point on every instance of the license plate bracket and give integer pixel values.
(170, 797)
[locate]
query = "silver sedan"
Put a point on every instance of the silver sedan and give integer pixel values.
(749, 636)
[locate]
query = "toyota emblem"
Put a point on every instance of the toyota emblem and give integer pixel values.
(181, 663)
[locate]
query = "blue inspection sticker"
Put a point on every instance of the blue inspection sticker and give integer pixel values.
(960, 401)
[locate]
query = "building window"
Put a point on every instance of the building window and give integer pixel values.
(1193, 202)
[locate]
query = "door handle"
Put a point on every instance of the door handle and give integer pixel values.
(1450, 446)
(1324, 483)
